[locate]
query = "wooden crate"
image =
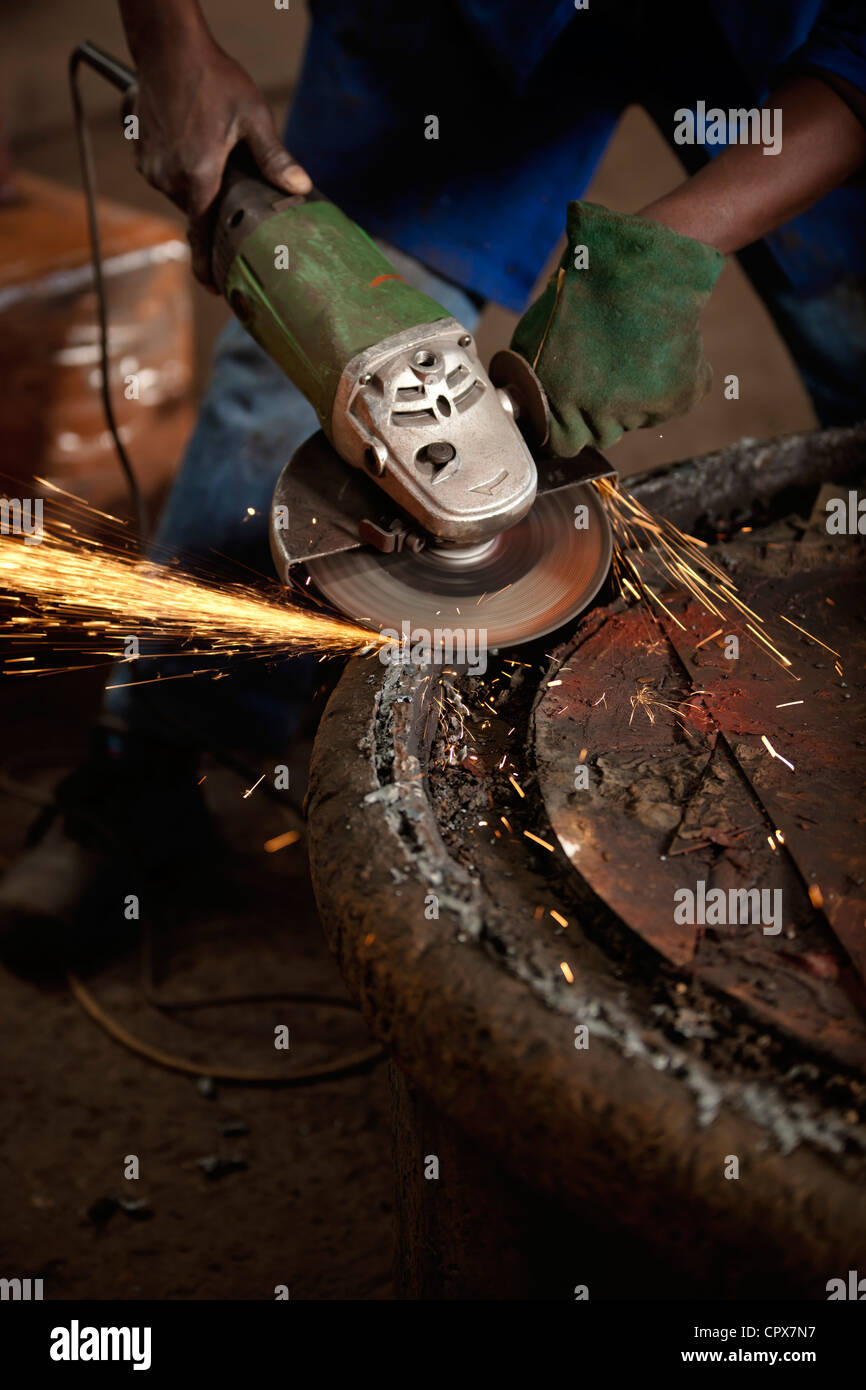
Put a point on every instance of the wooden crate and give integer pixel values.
(52, 423)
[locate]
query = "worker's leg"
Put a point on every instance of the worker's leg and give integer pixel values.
(826, 336)
(825, 333)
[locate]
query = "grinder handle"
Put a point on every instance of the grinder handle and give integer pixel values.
(245, 200)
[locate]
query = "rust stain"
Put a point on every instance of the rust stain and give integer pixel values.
(692, 793)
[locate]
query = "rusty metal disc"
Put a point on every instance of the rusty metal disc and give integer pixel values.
(527, 582)
(682, 794)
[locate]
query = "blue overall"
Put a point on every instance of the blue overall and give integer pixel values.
(525, 98)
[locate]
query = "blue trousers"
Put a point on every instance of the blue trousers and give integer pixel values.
(826, 335)
(251, 421)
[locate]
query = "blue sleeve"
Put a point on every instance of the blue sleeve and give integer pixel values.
(837, 43)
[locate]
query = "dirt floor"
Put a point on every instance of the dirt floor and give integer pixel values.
(307, 1198)
(310, 1206)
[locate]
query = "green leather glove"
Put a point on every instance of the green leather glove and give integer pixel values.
(616, 344)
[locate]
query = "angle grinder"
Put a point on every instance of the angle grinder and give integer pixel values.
(425, 498)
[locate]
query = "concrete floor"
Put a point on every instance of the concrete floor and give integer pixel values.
(312, 1208)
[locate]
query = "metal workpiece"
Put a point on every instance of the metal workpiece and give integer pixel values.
(420, 414)
(629, 1136)
(553, 920)
(744, 481)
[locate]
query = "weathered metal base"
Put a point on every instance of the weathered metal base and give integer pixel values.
(544, 1142)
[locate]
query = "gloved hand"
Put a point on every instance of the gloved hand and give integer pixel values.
(616, 345)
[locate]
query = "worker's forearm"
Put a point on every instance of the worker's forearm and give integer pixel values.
(744, 194)
(194, 106)
(155, 30)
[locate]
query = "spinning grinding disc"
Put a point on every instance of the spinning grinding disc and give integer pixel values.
(524, 583)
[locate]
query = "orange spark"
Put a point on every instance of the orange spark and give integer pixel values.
(290, 837)
(646, 546)
(772, 752)
(809, 635)
(112, 594)
(544, 844)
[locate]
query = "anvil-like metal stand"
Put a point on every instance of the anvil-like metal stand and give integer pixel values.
(585, 1127)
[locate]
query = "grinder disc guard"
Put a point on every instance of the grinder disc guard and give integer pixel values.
(527, 581)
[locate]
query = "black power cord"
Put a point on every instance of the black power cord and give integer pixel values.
(123, 78)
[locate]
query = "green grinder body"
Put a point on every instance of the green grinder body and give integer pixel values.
(308, 284)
